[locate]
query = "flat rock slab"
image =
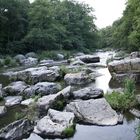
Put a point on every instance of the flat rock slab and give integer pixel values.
(92, 111)
(135, 112)
(16, 130)
(87, 93)
(12, 100)
(54, 123)
(3, 110)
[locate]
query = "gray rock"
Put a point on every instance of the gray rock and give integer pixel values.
(34, 136)
(30, 61)
(3, 110)
(45, 102)
(87, 93)
(20, 58)
(134, 55)
(77, 62)
(54, 123)
(92, 111)
(125, 66)
(135, 112)
(89, 58)
(31, 54)
(42, 88)
(77, 78)
(12, 100)
(16, 130)
(15, 88)
(60, 56)
(27, 102)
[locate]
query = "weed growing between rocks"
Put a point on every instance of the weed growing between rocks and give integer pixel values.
(125, 101)
(69, 131)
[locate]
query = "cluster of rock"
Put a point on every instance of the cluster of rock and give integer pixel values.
(86, 104)
(127, 67)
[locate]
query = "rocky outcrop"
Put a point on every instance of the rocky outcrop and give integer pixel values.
(29, 61)
(3, 110)
(15, 88)
(16, 130)
(77, 78)
(87, 93)
(54, 124)
(92, 111)
(125, 68)
(12, 100)
(35, 75)
(42, 88)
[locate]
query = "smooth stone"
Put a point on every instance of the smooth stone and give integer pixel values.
(94, 111)
(77, 78)
(31, 54)
(54, 123)
(135, 112)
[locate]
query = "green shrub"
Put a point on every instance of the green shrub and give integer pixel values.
(48, 54)
(125, 101)
(1, 99)
(9, 61)
(69, 132)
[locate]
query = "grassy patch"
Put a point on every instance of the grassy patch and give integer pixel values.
(125, 101)
(69, 132)
(19, 116)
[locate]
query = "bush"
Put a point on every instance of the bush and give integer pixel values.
(69, 132)
(48, 54)
(10, 61)
(125, 101)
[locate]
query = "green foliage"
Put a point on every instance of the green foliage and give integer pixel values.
(36, 97)
(1, 99)
(9, 61)
(69, 132)
(19, 116)
(123, 101)
(125, 32)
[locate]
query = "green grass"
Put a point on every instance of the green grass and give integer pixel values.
(19, 116)
(125, 101)
(69, 132)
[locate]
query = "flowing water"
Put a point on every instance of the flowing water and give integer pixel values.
(125, 131)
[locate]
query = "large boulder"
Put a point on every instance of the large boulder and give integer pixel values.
(15, 88)
(87, 93)
(42, 88)
(16, 130)
(54, 124)
(3, 110)
(60, 56)
(92, 111)
(79, 78)
(12, 100)
(19, 58)
(89, 58)
(31, 54)
(125, 66)
(45, 102)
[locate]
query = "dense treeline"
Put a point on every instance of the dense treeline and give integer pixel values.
(45, 25)
(125, 32)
